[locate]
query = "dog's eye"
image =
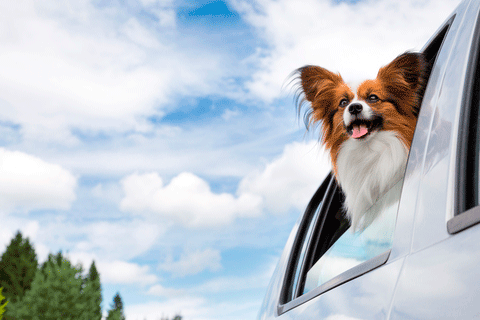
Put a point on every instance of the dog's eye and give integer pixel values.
(343, 102)
(373, 98)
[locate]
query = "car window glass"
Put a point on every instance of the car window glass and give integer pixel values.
(354, 248)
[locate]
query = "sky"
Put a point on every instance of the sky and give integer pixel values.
(161, 140)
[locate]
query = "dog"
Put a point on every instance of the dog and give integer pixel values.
(367, 130)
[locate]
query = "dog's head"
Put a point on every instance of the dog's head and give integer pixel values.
(389, 102)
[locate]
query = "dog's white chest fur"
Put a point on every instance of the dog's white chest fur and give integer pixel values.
(367, 168)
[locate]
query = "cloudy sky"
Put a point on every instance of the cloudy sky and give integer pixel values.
(160, 138)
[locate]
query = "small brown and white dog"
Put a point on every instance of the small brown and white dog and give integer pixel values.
(368, 130)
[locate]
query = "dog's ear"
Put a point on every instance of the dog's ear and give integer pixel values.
(318, 86)
(405, 79)
(408, 69)
(316, 80)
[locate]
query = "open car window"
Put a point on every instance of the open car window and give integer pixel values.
(329, 252)
(353, 248)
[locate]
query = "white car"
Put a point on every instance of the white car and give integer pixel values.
(421, 259)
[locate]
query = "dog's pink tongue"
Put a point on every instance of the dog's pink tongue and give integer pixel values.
(359, 131)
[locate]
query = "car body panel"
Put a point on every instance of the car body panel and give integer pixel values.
(442, 281)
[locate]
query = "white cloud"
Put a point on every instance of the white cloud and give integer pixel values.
(160, 291)
(27, 183)
(163, 10)
(193, 262)
(116, 240)
(220, 285)
(114, 271)
(87, 241)
(74, 65)
(354, 39)
(259, 279)
(285, 183)
(110, 192)
(229, 114)
(121, 272)
(187, 199)
(289, 181)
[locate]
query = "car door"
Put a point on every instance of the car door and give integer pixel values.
(325, 273)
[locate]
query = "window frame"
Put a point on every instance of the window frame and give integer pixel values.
(318, 199)
(467, 208)
(322, 200)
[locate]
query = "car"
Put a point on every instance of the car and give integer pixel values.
(421, 259)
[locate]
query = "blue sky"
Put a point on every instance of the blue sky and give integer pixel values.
(160, 138)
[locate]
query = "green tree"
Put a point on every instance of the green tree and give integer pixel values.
(18, 266)
(56, 292)
(92, 293)
(116, 309)
(2, 306)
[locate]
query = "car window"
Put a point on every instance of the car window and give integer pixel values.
(329, 252)
(354, 248)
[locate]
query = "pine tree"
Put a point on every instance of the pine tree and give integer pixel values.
(56, 292)
(18, 266)
(116, 309)
(93, 293)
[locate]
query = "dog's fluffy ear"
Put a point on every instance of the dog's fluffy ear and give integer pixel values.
(405, 79)
(318, 85)
(408, 68)
(316, 80)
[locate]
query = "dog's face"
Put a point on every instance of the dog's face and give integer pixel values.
(389, 102)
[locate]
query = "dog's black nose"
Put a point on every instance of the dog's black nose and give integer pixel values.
(355, 108)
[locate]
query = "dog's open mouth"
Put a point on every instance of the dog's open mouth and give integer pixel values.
(361, 128)
(359, 131)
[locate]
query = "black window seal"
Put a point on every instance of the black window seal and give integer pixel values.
(466, 213)
(319, 198)
(312, 242)
(435, 44)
